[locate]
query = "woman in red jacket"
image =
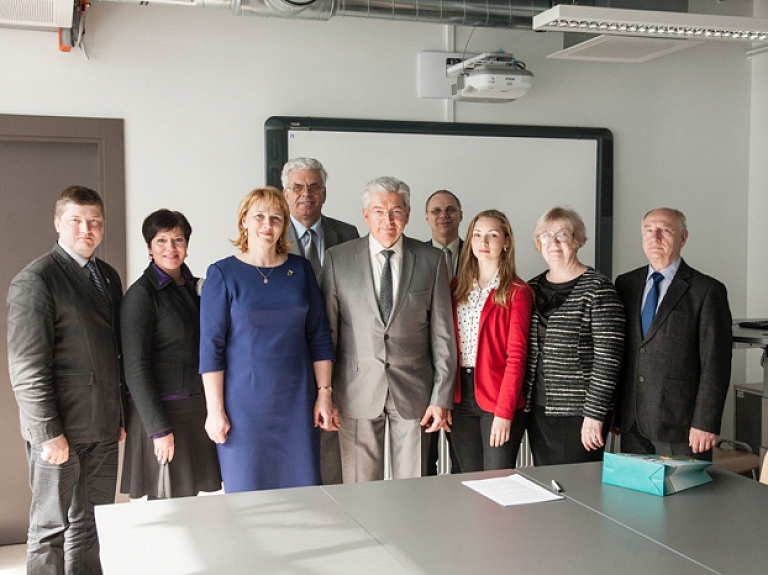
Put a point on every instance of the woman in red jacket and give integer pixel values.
(492, 312)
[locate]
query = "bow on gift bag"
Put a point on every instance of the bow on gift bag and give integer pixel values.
(654, 474)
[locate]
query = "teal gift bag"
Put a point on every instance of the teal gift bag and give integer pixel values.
(654, 474)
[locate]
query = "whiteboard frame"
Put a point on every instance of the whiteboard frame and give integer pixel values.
(277, 128)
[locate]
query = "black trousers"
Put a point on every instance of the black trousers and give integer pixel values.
(557, 440)
(472, 432)
(62, 535)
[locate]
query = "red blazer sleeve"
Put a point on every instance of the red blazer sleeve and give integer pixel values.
(502, 350)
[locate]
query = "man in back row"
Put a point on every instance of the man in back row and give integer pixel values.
(310, 234)
(64, 362)
(677, 361)
(443, 215)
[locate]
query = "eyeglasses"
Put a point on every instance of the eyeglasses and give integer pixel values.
(449, 211)
(561, 237)
(312, 189)
(395, 214)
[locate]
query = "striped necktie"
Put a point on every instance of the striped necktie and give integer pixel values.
(96, 279)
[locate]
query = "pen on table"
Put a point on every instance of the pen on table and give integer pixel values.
(556, 487)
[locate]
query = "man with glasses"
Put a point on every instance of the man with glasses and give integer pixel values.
(389, 305)
(443, 214)
(309, 235)
(677, 362)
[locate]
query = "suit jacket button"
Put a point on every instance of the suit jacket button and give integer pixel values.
(641, 378)
(386, 336)
(386, 365)
(642, 350)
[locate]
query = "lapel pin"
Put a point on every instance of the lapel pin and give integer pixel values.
(290, 273)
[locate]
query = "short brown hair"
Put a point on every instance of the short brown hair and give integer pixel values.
(272, 197)
(79, 195)
(570, 218)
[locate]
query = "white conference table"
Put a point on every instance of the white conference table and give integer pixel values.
(434, 525)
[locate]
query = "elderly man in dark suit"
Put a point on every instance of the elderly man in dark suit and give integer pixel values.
(64, 361)
(309, 235)
(677, 363)
(389, 307)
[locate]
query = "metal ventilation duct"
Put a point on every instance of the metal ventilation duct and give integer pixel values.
(483, 13)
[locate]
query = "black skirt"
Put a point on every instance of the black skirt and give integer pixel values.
(195, 465)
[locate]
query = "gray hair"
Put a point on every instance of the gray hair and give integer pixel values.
(387, 184)
(569, 218)
(680, 216)
(302, 164)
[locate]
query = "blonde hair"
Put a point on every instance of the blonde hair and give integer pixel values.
(570, 218)
(272, 197)
(468, 267)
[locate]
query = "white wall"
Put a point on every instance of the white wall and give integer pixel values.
(757, 239)
(195, 86)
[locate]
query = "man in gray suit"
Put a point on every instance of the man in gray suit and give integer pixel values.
(677, 361)
(309, 235)
(64, 361)
(389, 306)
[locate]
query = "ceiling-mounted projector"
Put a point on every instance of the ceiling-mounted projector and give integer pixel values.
(490, 77)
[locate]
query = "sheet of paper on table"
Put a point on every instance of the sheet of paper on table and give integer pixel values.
(512, 490)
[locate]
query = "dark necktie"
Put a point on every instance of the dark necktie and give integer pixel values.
(651, 303)
(97, 281)
(310, 250)
(448, 261)
(385, 287)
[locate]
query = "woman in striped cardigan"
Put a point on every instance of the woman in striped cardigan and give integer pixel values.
(574, 349)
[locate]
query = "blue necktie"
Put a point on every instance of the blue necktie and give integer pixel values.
(651, 303)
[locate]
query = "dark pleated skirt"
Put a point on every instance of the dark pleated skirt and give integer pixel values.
(195, 465)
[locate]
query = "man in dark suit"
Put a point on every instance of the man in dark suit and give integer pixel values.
(443, 214)
(677, 362)
(310, 235)
(389, 307)
(64, 362)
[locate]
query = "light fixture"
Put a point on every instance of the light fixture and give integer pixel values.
(617, 21)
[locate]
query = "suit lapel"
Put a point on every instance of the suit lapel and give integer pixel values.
(295, 248)
(77, 275)
(406, 272)
(637, 285)
(330, 235)
(363, 275)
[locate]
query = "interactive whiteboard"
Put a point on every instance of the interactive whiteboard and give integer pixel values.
(520, 170)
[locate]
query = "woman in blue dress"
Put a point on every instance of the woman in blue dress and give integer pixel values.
(265, 355)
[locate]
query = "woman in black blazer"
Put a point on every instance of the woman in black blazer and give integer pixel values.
(167, 453)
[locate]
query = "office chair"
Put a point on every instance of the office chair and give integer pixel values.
(736, 457)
